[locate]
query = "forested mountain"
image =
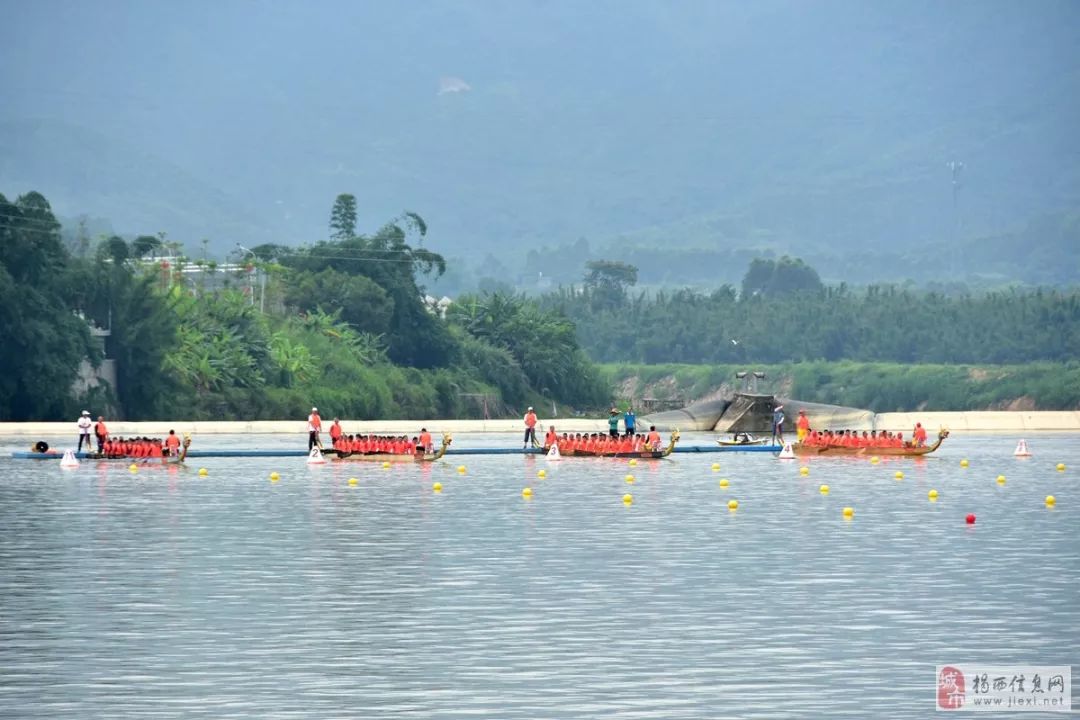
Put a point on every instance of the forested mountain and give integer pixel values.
(822, 129)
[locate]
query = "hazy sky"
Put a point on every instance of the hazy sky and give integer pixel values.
(815, 120)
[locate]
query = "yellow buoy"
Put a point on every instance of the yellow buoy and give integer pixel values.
(353, 481)
(804, 470)
(628, 498)
(964, 463)
(1051, 500)
(1000, 479)
(1061, 467)
(203, 472)
(824, 489)
(716, 467)
(732, 504)
(899, 475)
(385, 464)
(633, 462)
(724, 482)
(849, 512)
(461, 469)
(527, 492)
(541, 473)
(875, 460)
(932, 494)
(274, 476)
(135, 468)
(629, 479)
(437, 487)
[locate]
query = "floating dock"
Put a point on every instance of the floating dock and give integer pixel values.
(453, 451)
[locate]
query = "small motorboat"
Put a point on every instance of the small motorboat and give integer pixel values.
(742, 438)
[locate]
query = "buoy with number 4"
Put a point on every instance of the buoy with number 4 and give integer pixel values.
(788, 453)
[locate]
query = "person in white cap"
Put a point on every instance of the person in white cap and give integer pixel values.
(314, 427)
(778, 425)
(84, 431)
(530, 427)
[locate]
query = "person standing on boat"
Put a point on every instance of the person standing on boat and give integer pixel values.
(101, 432)
(654, 438)
(335, 433)
(918, 435)
(629, 421)
(613, 423)
(84, 431)
(530, 427)
(314, 427)
(802, 427)
(778, 425)
(425, 445)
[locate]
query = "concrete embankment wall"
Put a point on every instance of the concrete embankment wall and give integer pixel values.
(957, 422)
(981, 422)
(290, 427)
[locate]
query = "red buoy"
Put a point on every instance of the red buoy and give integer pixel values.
(970, 519)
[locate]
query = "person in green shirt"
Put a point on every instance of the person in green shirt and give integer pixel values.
(613, 423)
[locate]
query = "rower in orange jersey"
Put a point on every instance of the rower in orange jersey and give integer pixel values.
(653, 440)
(802, 427)
(550, 438)
(918, 436)
(172, 444)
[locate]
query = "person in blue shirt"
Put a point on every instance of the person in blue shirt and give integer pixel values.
(778, 425)
(629, 421)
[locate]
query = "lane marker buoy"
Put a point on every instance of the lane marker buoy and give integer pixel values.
(824, 489)
(437, 487)
(733, 505)
(628, 499)
(970, 519)
(315, 457)
(933, 495)
(788, 453)
(1022, 449)
(849, 512)
(69, 461)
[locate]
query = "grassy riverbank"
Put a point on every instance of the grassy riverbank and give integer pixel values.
(881, 387)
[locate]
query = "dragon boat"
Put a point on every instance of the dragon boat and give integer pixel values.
(803, 450)
(647, 454)
(41, 450)
(339, 456)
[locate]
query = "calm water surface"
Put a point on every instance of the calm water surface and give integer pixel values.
(161, 594)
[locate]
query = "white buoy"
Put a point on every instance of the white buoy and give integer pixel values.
(788, 453)
(553, 453)
(315, 457)
(1022, 449)
(69, 460)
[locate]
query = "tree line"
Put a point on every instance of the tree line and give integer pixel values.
(346, 328)
(783, 313)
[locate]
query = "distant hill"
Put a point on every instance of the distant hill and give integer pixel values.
(822, 129)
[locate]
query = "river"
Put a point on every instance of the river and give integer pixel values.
(163, 594)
